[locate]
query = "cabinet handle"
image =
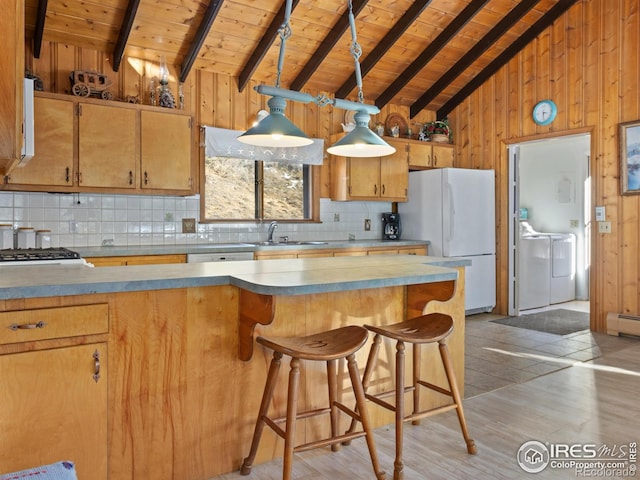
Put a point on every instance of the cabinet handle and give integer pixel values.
(146, 178)
(67, 175)
(435, 160)
(27, 326)
(96, 364)
(383, 189)
(375, 189)
(429, 160)
(130, 177)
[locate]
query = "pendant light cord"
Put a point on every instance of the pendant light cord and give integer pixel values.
(285, 32)
(356, 52)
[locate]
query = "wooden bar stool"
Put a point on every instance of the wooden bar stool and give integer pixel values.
(329, 347)
(434, 327)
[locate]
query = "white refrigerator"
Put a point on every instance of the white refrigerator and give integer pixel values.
(454, 208)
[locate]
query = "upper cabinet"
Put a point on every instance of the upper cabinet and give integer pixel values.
(53, 163)
(107, 146)
(11, 85)
(164, 139)
(96, 146)
(423, 155)
(378, 178)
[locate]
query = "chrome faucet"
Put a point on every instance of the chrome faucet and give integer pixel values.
(272, 227)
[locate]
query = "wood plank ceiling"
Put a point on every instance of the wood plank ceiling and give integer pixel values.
(426, 54)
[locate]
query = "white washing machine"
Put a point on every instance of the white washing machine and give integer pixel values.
(535, 271)
(563, 268)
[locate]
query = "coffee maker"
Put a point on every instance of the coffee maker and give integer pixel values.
(391, 227)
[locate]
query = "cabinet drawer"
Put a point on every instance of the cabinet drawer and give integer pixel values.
(59, 322)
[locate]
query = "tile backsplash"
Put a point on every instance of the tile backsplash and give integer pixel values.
(84, 220)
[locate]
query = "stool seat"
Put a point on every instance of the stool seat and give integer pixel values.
(328, 347)
(433, 328)
(331, 345)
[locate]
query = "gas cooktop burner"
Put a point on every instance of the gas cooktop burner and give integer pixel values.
(36, 254)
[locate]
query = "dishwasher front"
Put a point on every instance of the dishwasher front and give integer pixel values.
(219, 257)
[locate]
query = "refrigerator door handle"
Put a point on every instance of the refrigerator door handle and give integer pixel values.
(452, 209)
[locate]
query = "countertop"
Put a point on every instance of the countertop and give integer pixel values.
(124, 250)
(268, 277)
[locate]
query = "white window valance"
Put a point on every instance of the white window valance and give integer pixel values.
(222, 142)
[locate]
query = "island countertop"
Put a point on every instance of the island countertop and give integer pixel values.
(268, 277)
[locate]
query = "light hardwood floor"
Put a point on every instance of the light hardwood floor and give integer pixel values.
(520, 386)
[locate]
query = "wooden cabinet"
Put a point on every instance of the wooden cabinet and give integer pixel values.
(126, 260)
(88, 145)
(341, 252)
(11, 85)
(53, 162)
(422, 155)
(165, 138)
(54, 389)
(380, 178)
(107, 146)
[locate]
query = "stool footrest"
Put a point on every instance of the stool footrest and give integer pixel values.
(435, 388)
(328, 441)
(430, 412)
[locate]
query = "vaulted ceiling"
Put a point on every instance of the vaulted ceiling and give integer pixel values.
(425, 54)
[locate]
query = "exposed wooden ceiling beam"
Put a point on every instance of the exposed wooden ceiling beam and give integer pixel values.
(327, 44)
(472, 55)
(41, 16)
(203, 30)
(123, 35)
(533, 31)
(265, 43)
(387, 42)
(428, 53)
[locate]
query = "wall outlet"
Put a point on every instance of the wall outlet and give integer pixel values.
(367, 224)
(336, 217)
(574, 223)
(188, 225)
(604, 227)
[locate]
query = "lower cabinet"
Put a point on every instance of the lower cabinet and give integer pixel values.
(54, 407)
(342, 252)
(123, 261)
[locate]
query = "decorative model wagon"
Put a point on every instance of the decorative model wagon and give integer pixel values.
(88, 82)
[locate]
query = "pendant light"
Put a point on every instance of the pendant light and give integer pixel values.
(276, 130)
(361, 141)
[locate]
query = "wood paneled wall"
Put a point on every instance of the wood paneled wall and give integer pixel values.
(588, 62)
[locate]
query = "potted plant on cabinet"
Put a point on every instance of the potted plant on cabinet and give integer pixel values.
(437, 131)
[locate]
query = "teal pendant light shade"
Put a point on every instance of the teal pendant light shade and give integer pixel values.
(361, 141)
(275, 130)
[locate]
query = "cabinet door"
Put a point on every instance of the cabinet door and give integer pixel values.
(443, 156)
(107, 146)
(52, 163)
(364, 177)
(420, 155)
(165, 151)
(394, 178)
(53, 409)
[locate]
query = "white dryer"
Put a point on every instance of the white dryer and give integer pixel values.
(563, 268)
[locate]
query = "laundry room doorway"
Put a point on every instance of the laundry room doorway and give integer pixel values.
(550, 223)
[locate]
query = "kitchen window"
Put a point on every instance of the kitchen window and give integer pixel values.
(245, 183)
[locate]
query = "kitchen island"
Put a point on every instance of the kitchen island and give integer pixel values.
(176, 385)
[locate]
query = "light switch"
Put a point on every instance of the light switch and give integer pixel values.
(604, 227)
(601, 214)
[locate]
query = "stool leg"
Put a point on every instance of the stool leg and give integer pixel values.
(455, 392)
(332, 381)
(292, 404)
(366, 377)
(264, 408)
(398, 470)
(358, 390)
(416, 377)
